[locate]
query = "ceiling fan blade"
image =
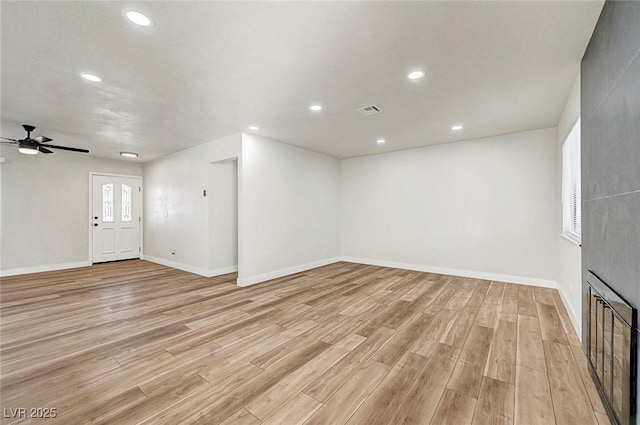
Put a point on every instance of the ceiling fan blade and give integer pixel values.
(65, 148)
(6, 138)
(42, 139)
(44, 150)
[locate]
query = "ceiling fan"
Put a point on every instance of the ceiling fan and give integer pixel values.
(32, 146)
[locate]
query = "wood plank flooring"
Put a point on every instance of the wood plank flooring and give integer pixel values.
(138, 343)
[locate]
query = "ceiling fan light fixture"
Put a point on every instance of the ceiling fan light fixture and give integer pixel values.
(27, 149)
(129, 154)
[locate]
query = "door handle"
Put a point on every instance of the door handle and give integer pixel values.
(95, 224)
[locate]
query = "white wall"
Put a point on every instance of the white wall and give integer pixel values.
(176, 212)
(290, 216)
(287, 215)
(482, 208)
(569, 254)
(45, 208)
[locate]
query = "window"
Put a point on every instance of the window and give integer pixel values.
(126, 203)
(571, 188)
(107, 202)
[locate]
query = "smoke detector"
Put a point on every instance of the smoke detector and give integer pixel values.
(370, 110)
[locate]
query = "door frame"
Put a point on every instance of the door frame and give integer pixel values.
(140, 179)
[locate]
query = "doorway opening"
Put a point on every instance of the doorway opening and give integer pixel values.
(223, 216)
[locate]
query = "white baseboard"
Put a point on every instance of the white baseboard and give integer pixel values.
(252, 280)
(223, 270)
(40, 269)
(577, 324)
(191, 269)
(521, 280)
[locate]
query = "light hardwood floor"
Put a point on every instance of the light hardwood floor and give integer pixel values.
(138, 343)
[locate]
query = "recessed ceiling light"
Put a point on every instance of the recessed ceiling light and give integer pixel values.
(254, 128)
(415, 75)
(316, 107)
(456, 127)
(138, 18)
(381, 141)
(91, 77)
(129, 154)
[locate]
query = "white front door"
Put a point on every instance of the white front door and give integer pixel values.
(115, 217)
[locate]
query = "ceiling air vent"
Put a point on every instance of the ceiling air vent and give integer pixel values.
(370, 110)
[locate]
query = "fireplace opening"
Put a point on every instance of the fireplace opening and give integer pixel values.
(611, 349)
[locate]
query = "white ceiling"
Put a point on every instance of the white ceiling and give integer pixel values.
(209, 69)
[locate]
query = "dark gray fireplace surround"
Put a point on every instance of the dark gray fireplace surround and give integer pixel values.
(610, 111)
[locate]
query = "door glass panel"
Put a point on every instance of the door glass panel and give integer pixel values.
(107, 202)
(126, 203)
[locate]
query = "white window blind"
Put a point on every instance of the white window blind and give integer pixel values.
(571, 187)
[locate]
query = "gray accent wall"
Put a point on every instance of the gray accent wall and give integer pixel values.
(610, 106)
